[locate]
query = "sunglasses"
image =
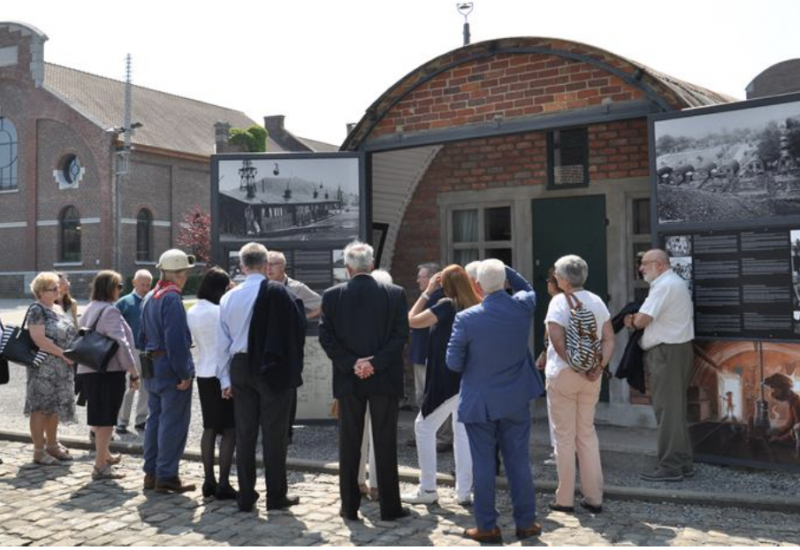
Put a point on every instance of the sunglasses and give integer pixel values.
(54, 289)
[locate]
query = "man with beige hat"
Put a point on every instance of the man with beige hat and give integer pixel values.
(167, 370)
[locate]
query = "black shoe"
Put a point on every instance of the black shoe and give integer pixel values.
(121, 430)
(141, 427)
(411, 443)
(660, 474)
(687, 471)
(247, 506)
(591, 507)
(402, 513)
(345, 515)
(558, 508)
(283, 503)
(225, 492)
(209, 488)
(173, 485)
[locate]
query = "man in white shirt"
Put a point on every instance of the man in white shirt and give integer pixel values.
(667, 319)
(253, 400)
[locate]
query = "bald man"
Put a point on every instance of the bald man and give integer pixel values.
(667, 319)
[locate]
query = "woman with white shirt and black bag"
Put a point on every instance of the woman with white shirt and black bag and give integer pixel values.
(581, 345)
(203, 320)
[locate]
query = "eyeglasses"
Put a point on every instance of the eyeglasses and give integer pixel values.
(54, 289)
(645, 262)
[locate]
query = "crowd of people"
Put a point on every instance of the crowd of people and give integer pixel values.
(473, 369)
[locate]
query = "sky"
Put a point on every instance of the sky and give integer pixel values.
(323, 63)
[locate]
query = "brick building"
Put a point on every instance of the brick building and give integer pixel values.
(523, 149)
(60, 129)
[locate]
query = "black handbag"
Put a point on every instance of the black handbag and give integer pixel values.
(92, 349)
(4, 378)
(16, 344)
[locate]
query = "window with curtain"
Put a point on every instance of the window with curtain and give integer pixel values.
(8, 155)
(144, 236)
(70, 226)
(480, 232)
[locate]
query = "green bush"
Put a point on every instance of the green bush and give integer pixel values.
(251, 140)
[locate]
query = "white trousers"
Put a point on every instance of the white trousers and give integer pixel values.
(425, 430)
(367, 448)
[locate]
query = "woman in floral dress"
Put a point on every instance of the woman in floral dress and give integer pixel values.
(50, 396)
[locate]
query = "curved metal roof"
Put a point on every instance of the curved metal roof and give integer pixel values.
(668, 92)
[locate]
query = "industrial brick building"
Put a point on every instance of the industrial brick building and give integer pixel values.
(523, 149)
(60, 131)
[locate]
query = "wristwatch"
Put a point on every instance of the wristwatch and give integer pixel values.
(425, 296)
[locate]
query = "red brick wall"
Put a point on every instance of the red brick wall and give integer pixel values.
(509, 86)
(616, 150)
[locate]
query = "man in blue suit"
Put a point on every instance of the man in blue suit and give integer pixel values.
(489, 346)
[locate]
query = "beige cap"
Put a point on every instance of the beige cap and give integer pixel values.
(175, 260)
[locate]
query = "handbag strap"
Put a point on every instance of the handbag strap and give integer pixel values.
(96, 321)
(30, 307)
(573, 301)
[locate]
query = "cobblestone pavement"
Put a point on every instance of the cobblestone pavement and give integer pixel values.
(62, 506)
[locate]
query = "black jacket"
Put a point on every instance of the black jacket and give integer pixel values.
(631, 366)
(277, 337)
(362, 318)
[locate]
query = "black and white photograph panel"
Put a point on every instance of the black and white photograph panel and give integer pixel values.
(729, 166)
(678, 245)
(683, 267)
(339, 271)
(287, 199)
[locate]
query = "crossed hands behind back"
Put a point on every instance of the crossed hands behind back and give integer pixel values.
(363, 367)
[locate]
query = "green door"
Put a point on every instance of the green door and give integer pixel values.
(575, 225)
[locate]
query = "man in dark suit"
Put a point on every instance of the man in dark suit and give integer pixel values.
(363, 329)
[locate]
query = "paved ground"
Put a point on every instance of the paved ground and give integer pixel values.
(62, 506)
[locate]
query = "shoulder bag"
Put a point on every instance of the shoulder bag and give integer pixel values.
(92, 349)
(16, 344)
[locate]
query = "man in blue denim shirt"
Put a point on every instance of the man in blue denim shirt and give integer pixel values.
(164, 334)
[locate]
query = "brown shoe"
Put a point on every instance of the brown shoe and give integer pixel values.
(173, 485)
(149, 482)
(494, 535)
(533, 531)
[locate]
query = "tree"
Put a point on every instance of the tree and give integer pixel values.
(769, 148)
(196, 233)
(793, 137)
(251, 140)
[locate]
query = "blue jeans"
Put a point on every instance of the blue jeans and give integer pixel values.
(167, 426)
(512, 434)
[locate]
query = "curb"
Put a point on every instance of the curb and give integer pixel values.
(411, 475)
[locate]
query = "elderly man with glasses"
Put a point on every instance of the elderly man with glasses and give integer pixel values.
(667, 319)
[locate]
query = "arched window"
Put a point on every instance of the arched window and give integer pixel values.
(70, 225)
(144, 236)
(8, 155)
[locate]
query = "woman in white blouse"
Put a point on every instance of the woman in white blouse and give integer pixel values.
(203, 319)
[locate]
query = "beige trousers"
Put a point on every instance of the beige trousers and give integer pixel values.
(571, 401)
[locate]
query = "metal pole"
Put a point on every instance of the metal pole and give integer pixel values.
(466, 34)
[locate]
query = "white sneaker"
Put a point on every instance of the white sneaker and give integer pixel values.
(421, 497)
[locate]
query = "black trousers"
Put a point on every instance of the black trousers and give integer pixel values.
(383, 410)
(293, 413)
(255, 404)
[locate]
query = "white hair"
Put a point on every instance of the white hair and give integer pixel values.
(358, 256)
(253, 255)
(491, 275)
(383, 277)
(143, 274)
(472, 269)
(572, 268)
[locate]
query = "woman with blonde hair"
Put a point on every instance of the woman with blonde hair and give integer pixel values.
(49, 395)
(105, 390)
(441, 385)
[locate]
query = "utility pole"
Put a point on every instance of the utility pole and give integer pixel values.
(122, 172)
